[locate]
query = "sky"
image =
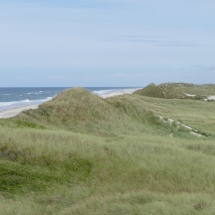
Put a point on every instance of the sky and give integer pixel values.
(106, 43)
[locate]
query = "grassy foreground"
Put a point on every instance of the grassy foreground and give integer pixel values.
(80, 154)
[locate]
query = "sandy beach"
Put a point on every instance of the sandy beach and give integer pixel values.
(120, 92)
(13, 112)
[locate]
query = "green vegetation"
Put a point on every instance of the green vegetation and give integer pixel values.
(81, 154)
(178, 91)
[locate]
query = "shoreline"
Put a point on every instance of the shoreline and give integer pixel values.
(4, 114)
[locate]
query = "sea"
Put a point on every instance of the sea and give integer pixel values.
(18, 97)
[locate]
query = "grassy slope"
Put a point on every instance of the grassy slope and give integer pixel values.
(56, 170)
(197, 114)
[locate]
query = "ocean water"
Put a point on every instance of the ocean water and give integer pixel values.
(18, 97)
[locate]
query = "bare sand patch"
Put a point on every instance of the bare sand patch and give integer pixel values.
(211, 97)
(189, 95)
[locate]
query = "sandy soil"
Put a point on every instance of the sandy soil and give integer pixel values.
(189, 95)
(192, 131)
(121, 92)
(13, 112)
(211, 98)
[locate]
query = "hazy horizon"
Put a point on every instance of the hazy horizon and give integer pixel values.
(106, 43)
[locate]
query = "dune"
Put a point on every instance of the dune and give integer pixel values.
(15, 111)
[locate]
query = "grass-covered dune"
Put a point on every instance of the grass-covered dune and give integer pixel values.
(81, 154)
(81, 111)
(177, 90)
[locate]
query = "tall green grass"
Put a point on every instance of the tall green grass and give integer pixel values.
(125, 164)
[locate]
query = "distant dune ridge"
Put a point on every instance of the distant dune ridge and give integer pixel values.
(178, 91)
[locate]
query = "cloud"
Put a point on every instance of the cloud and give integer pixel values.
(155, 41)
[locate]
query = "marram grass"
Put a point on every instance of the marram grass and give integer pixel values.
(48, 168)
